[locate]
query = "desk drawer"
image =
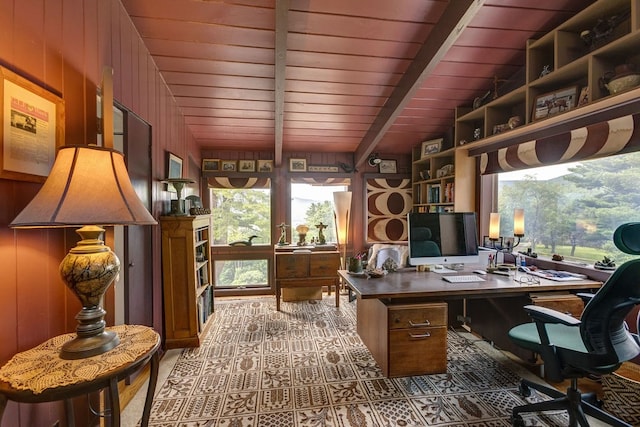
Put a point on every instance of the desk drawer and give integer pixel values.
(323, 265)
(292, 265)
(417, 351)
(417, 315)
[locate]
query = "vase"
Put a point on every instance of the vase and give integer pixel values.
(355, 265)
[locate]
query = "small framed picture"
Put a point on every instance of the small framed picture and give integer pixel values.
(552, 103)
(228, 165)
(265, 165)
(491, 244)
(174, 166)
(431, 147)
(297, 165)
(210, 165)
(388, 166)
(247, 165)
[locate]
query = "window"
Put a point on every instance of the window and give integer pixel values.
(312, 204)
(239, 214)
(573, 209)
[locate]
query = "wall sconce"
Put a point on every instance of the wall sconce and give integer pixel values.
(342, 212)
(88, 187)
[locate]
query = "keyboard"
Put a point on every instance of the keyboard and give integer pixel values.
(467, 278)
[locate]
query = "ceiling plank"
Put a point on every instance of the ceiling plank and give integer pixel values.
(453, 21)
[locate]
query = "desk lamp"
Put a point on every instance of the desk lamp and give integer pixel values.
(88, 187)
(494, 229)
(342, 212)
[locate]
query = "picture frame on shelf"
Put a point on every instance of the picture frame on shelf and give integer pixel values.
(174, 166)
(430, 147)
(228, 165)
(556, 102)
(210, 165)
(34, 124)
(323, 168)
(491, 244)
(265, 165)
(388, 166)
(246, 165)
(297, 165)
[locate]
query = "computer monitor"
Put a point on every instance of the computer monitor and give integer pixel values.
(443, 238)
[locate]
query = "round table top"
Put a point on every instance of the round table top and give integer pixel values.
(41, 367)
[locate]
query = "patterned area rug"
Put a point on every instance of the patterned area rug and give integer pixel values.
(306, 366)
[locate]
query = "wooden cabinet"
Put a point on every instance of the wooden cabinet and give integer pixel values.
(405, 339)
(302, 269)
(186, 277)
(570, 62)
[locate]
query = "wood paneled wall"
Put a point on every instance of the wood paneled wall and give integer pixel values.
(63, 45)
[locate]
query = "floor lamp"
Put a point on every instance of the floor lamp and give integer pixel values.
(88, 187)
(342, 212)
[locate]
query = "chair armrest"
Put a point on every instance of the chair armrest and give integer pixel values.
(547, 315)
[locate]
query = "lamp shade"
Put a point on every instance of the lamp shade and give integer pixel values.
(342, 206)
(518, 222)
(87, 185)
(494, 226)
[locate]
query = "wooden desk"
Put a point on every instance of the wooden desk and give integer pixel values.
(304, 269)
(39, 375)
(402, 317)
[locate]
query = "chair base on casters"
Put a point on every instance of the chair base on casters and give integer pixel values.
(574, 402)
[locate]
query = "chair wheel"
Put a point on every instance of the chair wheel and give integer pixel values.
(524, 390)
(517, 421)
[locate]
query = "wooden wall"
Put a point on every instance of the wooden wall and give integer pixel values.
(63, 46)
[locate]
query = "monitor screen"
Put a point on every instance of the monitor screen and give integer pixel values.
(443, 238)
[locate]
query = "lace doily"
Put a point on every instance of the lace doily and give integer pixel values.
(41, 367)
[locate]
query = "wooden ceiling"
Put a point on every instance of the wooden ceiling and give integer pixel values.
(357, 76)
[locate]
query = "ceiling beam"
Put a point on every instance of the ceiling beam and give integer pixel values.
(455, 18)
(282, 28)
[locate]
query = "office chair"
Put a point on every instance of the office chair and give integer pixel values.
(596, 344)
(422, 245)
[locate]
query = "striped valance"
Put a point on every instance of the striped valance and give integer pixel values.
(322, 181)
(616, 136)
(238, 182)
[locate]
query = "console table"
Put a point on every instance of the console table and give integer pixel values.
(402, 317)
(306, 268)
(39, 375)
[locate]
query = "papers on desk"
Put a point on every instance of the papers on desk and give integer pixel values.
(558, 276)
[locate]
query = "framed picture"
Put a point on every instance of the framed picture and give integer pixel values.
(228, 165)
(174, 166)
(491, 244)
(552, 103)
(32, 127)
(297, 165)
(210, 165)
(323, 168)
(388, 166)
(247, 165)
(265, 165)
(430, 147)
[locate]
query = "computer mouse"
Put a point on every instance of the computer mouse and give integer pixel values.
(481, 272)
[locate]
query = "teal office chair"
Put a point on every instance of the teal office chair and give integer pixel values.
(594, 345)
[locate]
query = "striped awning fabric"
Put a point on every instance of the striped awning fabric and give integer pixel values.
(616, 136)
(238, 182)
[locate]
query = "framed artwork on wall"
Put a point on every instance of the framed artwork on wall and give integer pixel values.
(552, 103)
(32, 128)
(430, 147)
(228, 165)
(388, 166)
(210, 165)
(297, 165)
(247, 165)
(174, 166)
(265, 165)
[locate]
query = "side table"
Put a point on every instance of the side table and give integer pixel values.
(39, 375)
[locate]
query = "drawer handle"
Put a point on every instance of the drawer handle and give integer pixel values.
(417, 336)
(419, 325)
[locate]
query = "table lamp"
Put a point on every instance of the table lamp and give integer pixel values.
(342, 211)
(88, 187)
